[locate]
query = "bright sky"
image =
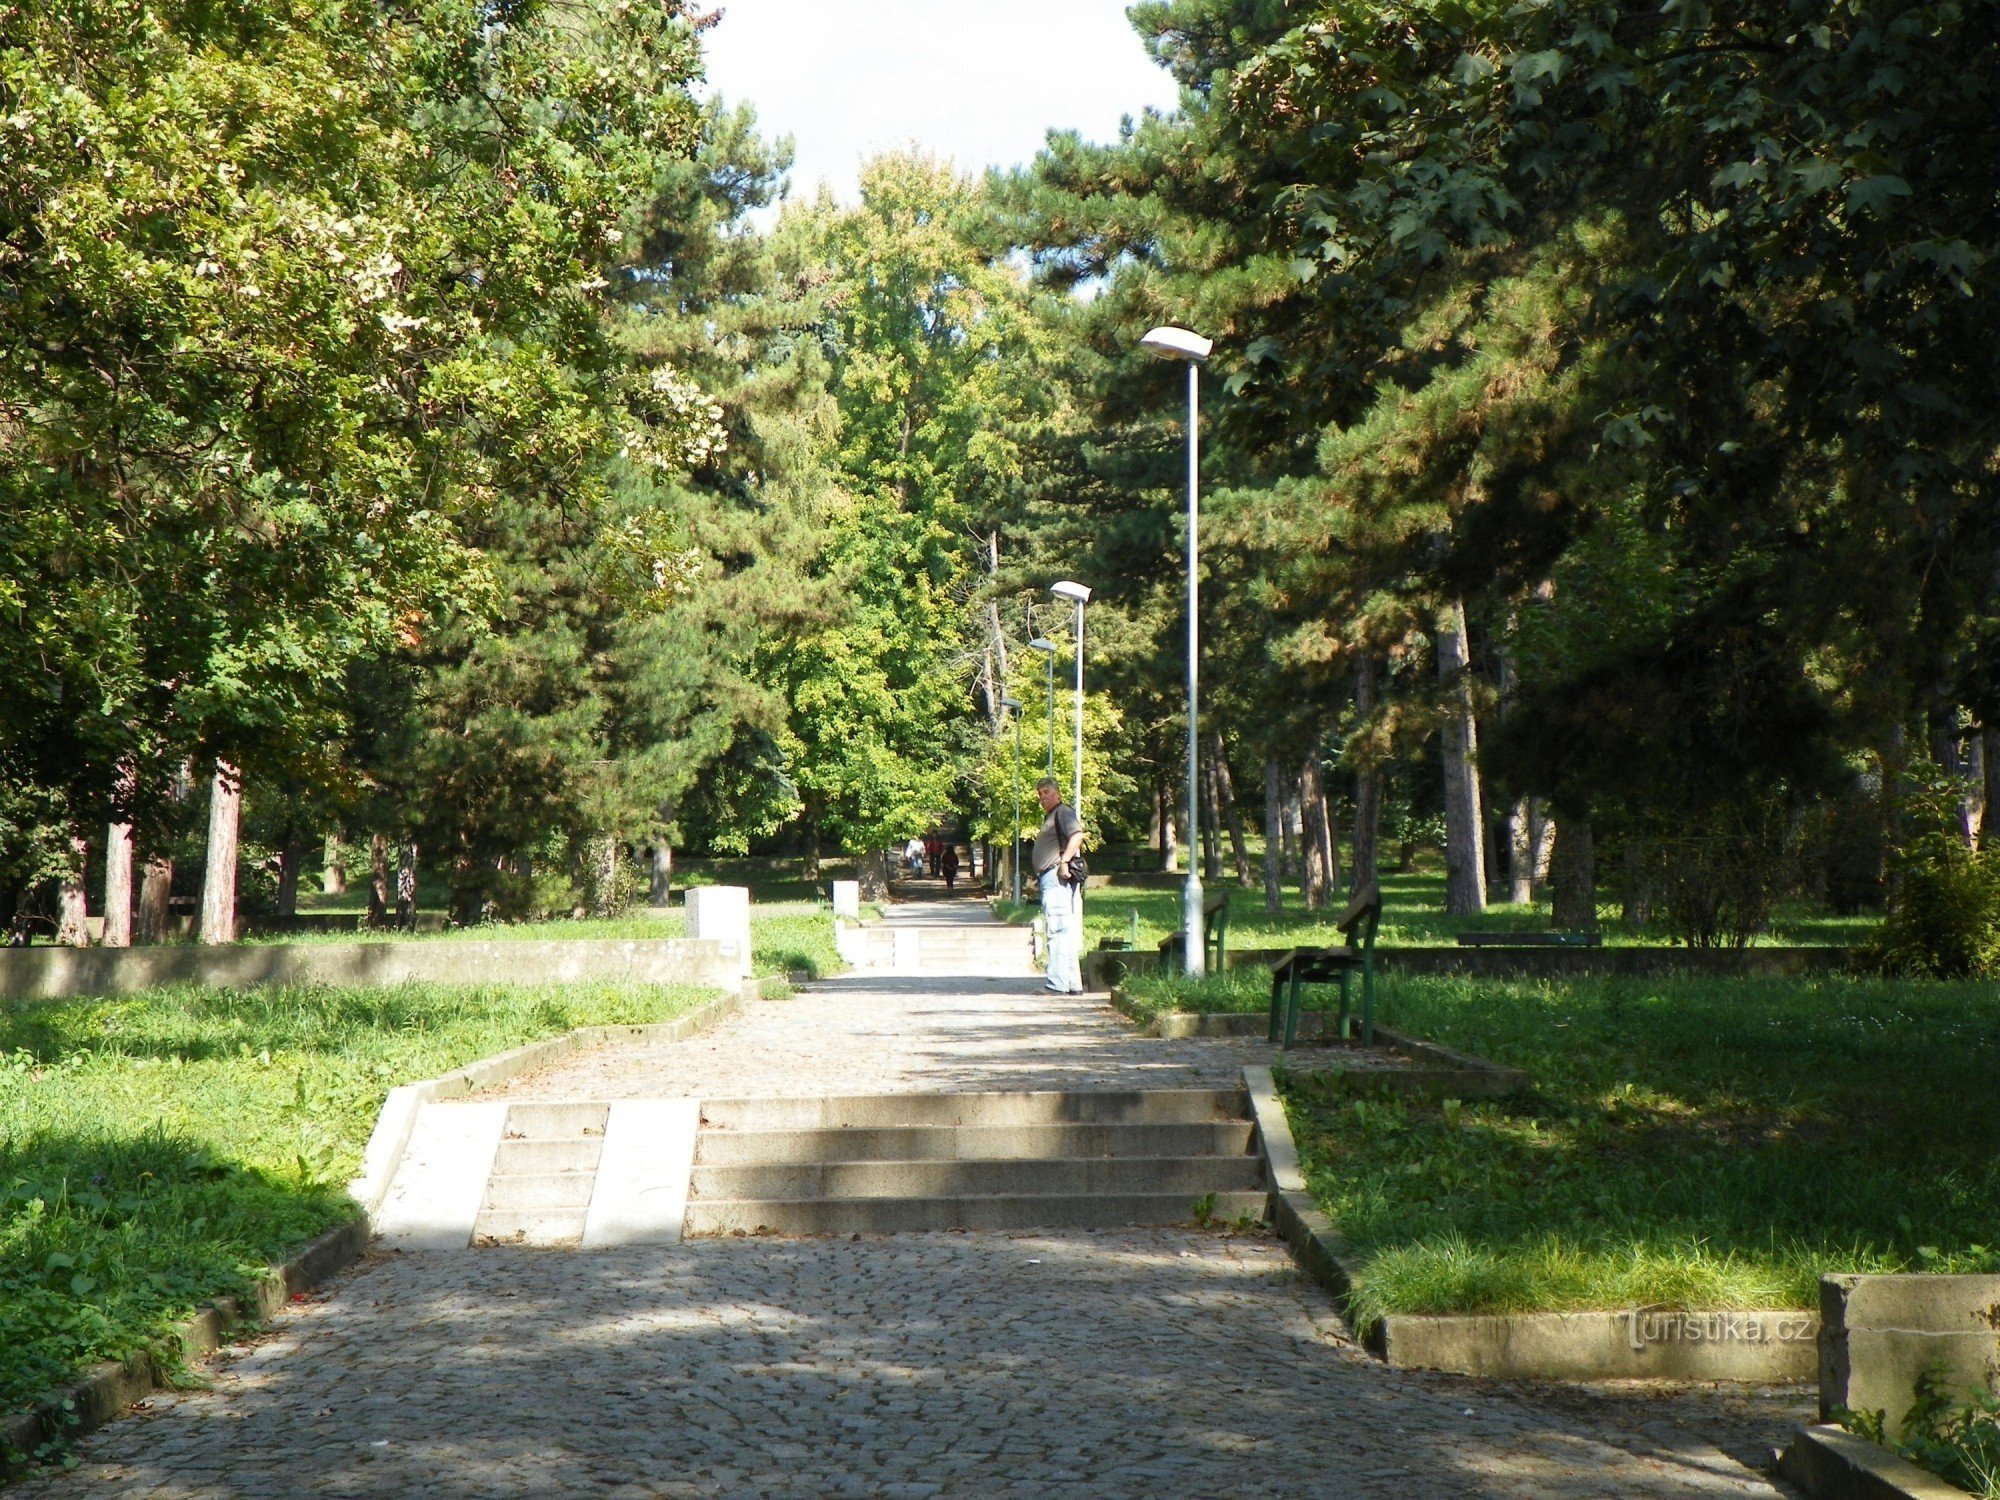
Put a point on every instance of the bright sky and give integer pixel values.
(979, 81)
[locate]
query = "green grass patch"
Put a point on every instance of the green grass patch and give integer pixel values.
(1412, 916)
(1693, 1142)
(158, 1150)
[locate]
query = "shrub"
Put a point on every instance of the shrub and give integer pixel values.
(1943, 918)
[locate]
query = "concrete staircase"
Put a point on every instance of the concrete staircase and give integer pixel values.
(940, 938)
(543, 1172)
(880, 1164)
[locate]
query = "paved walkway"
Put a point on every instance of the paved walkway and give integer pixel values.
(874, 1032)
(1137, 1363)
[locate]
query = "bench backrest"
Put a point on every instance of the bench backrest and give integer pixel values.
(1362, 917)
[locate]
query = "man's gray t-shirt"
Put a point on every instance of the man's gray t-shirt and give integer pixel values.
(1058, 828)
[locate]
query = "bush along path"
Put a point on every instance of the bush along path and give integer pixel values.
(160, 1150)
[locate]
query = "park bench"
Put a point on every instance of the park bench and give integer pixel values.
(1214, 939)
(1531, 940)
(1303, 966)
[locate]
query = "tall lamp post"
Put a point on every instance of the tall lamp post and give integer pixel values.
(1013, 706)
(1047, 647)
(1079, 592)
(1192, 349)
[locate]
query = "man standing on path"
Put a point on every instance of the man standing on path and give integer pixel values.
(1059, 842)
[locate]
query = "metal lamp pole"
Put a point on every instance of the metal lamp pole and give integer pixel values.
(1081, 594)
(1179, 343)
(1013, 705)
(1047, 647)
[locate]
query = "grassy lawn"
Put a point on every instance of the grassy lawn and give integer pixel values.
(1412, 916)
(1689, 1141)
(157, 1150)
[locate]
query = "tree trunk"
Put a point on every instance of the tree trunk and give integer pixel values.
(156, 889)
(1315, 840)
(1211, 842)
(1464, 832)
(1367, 790)
(871, 871)
(118, 886)
(1291, 841)
(378, 880)
(1274, 822)
(73, 908)
(291, 855)
(1948, 750)
(406, 886)
(1541, 839)
(1170, 858)
(1330, 810)
(218, 885)
(333, 877)
(1573, 869)
(810, 859)
(1989, 836)
(1636, 899)
(1520, 853)
(1225, 786)
(661, 889)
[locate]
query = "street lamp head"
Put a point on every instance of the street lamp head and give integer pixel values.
(1043, 644)
(1011, 703)
(1067, 589)
(1169, 342)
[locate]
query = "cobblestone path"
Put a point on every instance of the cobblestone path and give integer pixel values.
(1140, 1363)
(871, 1033)
(1129, 1363)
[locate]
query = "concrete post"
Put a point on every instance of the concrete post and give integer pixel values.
(721, 913)
(847, 899)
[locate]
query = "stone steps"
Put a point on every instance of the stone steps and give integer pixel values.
(930, 1215)
(1190, 1176)
(973, 1142)
(899, 1163)
(544, 1171)
(1100, 1107)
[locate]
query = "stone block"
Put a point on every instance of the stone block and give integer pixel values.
(1882, 1332)
(847, 899)
(721, 914)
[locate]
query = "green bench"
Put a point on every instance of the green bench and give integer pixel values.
(1304, 966)
(1214, 939)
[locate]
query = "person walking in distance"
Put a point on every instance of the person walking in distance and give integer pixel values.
(1059, 844)
(948, 864)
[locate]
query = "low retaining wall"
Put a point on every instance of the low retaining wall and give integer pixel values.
(57, 973)
(1101, 964)
(1882, 1332)
(1635, 1343)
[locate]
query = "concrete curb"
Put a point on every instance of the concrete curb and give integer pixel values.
(103, 1394)
(1636, 1343)
(1831, 1463)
